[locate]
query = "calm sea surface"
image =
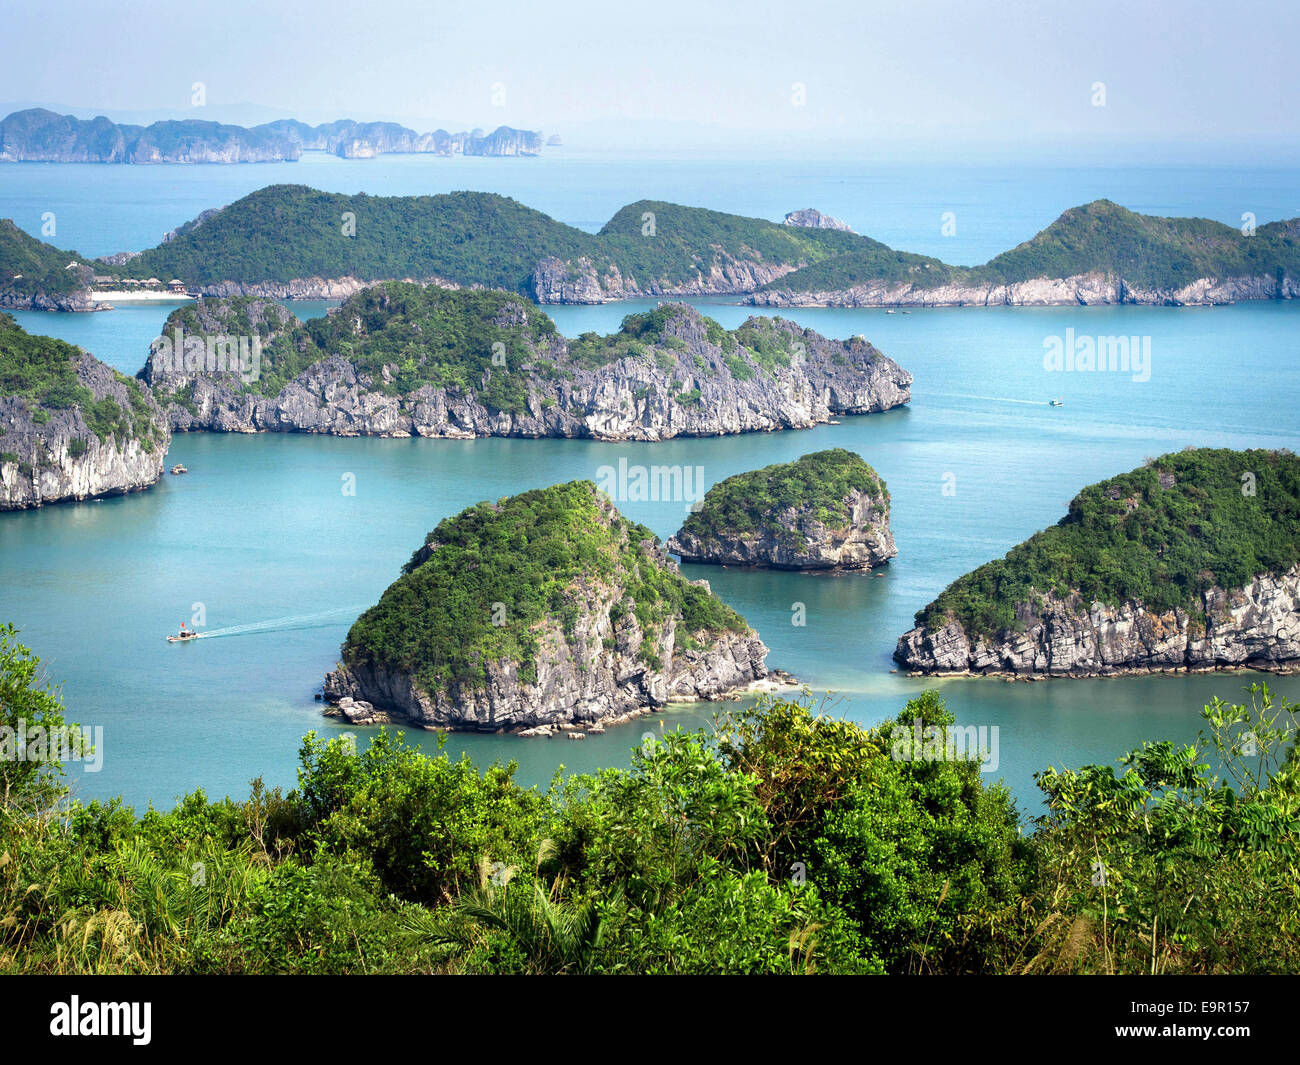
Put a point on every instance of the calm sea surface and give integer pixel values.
(261, 530)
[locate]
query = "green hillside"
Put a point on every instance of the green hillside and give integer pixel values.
(30, 267)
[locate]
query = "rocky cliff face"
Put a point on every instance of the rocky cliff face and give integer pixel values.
(1255, 627)
(794, 538)
(62, 459)
(683, 388)
(579, 682)
(1084, 290)
(77, 300)
(582, 281)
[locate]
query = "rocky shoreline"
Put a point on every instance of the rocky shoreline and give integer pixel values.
(78, 301)
(581, 282)
(1080, 290)
(576, 684)
(557, 282)
(1256, 627)
(357, 711)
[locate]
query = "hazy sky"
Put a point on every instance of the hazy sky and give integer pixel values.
(933, 71)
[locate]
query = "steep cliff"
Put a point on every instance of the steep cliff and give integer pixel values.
(403, 360)
(71, 427)
(544, 610)
(1190, 563)
(827, 510)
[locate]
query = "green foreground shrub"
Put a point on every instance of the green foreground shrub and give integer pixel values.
(785, 841)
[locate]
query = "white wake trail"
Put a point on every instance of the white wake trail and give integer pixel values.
(298, 621)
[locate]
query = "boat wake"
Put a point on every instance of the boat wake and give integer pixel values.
(298, 621)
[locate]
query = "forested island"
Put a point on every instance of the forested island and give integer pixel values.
(400, 359)
(825, 511)
(545, 610)
(1190, 563)
(40, 136)
(293, 242)
(71, 427)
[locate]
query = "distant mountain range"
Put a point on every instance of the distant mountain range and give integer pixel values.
(286, 242)
(40, 136)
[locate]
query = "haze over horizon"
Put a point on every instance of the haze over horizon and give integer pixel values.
(1108, 81)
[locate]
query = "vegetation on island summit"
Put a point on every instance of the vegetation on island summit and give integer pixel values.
(285, 232)
(398, 335)
(1162, 534)
(42, 373)
(818, 484)
(786, 841)
(534, 554)
(1146, 250)
(494, 345)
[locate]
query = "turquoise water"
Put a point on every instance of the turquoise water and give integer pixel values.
(260, 529)
(103, 209)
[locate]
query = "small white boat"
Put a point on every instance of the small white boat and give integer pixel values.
(1058, 403)
(183, 636)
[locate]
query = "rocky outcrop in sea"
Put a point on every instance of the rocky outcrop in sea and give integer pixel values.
(849, 532)
(579, 683)
(595, 663)
(38, 135)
